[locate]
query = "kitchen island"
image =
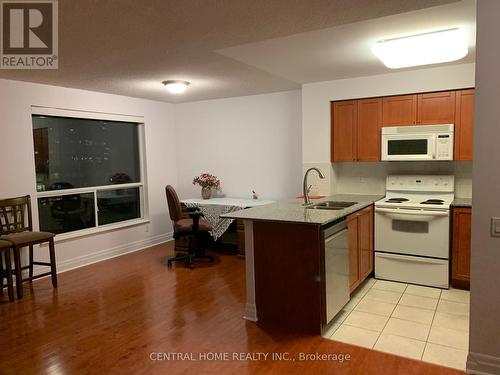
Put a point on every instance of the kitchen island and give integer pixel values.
(285, 262)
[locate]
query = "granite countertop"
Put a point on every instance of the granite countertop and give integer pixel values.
(292, 211)
(462, 202)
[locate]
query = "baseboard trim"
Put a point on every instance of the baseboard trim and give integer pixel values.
(113, 252)
(483, 364)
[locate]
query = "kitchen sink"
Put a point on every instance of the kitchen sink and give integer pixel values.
(332, 205)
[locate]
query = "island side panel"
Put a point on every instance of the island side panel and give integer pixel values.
(287, 270)
(250, 306)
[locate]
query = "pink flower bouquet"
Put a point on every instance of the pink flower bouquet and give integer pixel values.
(206, 180)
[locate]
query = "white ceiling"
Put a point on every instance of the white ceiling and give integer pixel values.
(345, 51)
(228, 47)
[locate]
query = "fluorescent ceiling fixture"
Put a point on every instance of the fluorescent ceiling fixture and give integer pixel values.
(175, 86)
(422, 49)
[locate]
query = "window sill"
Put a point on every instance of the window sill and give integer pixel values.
(104, 228)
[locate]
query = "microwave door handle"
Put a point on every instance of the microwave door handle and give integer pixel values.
(433, 146)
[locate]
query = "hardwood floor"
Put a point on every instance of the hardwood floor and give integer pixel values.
(107, 318)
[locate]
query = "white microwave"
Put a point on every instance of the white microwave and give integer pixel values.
(421, 142)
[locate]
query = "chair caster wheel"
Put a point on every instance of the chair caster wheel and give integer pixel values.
(191, 266)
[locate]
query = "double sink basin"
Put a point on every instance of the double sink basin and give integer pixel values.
(331, 205)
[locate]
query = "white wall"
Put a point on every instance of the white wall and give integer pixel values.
(249, 142)
(484, 342)
(17, 161)
(316, 99)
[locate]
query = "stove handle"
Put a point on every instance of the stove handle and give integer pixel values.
(402, 258)
(411, 215)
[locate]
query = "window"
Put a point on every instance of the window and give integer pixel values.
(88, 170)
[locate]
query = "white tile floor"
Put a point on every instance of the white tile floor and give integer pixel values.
(407, 320)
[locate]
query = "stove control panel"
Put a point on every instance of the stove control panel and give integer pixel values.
(430, 183)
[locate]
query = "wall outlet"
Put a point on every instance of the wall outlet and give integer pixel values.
(147, 228)
(362, 180)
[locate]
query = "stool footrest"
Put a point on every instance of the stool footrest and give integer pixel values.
(37, 276)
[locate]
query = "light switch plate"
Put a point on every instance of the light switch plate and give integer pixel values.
(495, 227)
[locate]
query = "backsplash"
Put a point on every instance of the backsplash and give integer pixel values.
(369, 178)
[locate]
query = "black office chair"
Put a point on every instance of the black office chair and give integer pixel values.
(192, 228)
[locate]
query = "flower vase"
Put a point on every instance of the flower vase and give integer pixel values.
(206, 193)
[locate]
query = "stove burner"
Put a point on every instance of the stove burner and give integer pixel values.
(396, 200)
(433, 201)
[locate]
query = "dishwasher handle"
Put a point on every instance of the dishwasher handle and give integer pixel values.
(338, 227)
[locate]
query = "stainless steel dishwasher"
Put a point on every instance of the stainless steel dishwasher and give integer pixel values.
(336, 268)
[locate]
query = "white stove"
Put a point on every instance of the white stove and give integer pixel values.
(412, 228)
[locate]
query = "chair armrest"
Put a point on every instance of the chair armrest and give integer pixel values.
(192, 209)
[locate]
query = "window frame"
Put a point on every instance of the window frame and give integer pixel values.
(142, 184)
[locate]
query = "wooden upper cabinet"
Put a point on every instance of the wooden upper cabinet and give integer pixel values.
(368, 129)
(399, 110)
(461, 247)
(464, 124)
(436, 108)
(343, 129)
(356, 124)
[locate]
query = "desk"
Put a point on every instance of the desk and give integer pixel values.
(214, 207)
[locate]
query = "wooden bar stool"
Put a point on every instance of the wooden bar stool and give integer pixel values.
(5, 248)
(16, 227)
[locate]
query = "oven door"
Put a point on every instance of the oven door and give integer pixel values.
(412, 232)
(400, 147)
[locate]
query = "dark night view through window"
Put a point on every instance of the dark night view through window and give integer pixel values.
(88, 172)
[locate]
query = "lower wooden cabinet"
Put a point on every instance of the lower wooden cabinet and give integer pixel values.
(360, 227)
(461, 247)
(353, 230)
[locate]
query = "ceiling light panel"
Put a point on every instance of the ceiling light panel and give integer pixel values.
(422, 49)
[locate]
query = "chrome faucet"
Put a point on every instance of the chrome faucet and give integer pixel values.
(306, 189)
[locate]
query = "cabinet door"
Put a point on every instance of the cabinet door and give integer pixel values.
(461, 244)
(368, 133)
(436, 108)
(365, 242)
(464, 124)
(352, 226)
(399, 110)
(343, 130)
